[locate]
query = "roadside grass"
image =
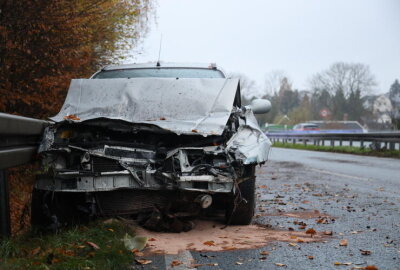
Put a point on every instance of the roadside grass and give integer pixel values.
(95, 246)
(341, 149)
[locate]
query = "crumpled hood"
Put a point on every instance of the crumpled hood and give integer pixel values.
(183, 106)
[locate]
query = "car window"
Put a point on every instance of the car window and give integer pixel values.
(160, 73)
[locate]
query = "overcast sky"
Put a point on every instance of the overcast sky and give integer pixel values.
(301, 37)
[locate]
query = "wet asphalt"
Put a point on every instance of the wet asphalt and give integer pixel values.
(359, 195)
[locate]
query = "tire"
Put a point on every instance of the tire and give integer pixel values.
(50, 211)
(244, 212)
(38, 217)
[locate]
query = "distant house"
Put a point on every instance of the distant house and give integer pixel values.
(381, 108)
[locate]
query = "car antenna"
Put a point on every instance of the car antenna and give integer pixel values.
(159, 53)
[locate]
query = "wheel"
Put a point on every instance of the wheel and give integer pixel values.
(244, 211)
(39, 217)
(50, 211)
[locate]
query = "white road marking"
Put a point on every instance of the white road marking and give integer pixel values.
(185, 257)
(340, 174)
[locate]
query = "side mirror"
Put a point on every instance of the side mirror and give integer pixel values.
(260, 106)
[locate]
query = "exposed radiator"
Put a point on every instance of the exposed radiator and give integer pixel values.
(122, 202)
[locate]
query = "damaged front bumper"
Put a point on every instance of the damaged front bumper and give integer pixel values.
(99, 172)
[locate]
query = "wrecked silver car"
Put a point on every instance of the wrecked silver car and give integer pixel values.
(136, 138)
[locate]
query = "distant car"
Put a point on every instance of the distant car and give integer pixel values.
(306, 127)
(137, 137)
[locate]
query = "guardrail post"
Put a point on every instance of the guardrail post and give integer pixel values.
(391, 146)
(5, 228)
(340, 142)
(351, 143)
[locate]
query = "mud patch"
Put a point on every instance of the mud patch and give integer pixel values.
(212, 236)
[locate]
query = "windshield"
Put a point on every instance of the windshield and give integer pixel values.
(160, 73)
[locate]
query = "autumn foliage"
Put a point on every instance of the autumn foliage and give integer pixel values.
(44, 44)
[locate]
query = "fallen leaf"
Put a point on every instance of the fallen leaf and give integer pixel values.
(345, 263)
(310, 257)
(327, 233)
(293, 237)
(300, 240)
(71, 117)
(371, 267)
(55, 260)
(209, 243)
(293, 244)
(138, 242)
(238, 263)
(93, 245)
(280, 264)
(176, 263)
(311, 231)
(365, 252)
(228, 248)
(302, 227)
(343, 243)
(152, 239)
(323, 220)
(139, 254)
(111, 230)
(90, 254)
(264, 253)
(35, 251)
(143, 261)
(197, 265)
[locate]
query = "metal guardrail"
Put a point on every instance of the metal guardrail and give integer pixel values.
(389, 139)
(19, 140)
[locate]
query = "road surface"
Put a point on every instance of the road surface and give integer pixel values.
(356, 198)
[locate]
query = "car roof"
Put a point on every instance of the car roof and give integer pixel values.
(161, 65)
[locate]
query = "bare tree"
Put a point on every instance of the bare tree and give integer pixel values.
(248, 86)
(346, 77)
(273, 81)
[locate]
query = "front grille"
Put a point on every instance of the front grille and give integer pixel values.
(105, 165)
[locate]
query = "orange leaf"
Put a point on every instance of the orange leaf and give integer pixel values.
(143, 261)
(209, 243)
(72, 117)
(176, 263)
(311, 231)
(343, 242)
